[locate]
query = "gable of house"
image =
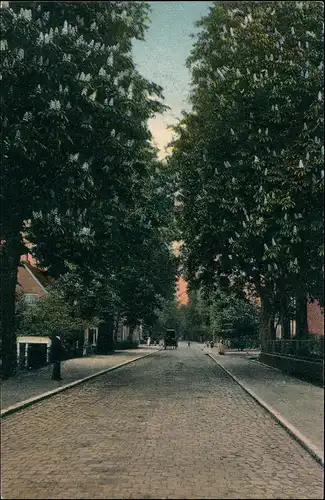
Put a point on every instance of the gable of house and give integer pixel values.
(32, 281)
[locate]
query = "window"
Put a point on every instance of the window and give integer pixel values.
(31, 299)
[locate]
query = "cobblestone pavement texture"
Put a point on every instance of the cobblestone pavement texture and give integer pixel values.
(32, 383)
(173, 425)
(300, 403)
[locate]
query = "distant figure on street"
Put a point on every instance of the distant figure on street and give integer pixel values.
(56, 357)
(207, 347)
(188, 344)
(149, 341)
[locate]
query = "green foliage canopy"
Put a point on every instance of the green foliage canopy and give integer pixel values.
(250, 154)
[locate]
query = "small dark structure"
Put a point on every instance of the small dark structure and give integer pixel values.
(170, 339)
(36, 356)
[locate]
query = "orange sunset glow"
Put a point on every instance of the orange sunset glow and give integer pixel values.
(181, 293)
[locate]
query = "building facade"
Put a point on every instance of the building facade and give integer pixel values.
(315, 318)
(32, 285)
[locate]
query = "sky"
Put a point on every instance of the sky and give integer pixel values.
(162, 56)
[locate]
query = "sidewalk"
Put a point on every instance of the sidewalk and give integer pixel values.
(33, 383)
(300, 403)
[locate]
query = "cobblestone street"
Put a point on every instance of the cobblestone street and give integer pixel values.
(172, 425)
(29, 384)
(287, 394)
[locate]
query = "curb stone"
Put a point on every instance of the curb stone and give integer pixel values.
(289, 428)
(36, 399)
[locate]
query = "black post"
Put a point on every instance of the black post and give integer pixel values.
(56, 357)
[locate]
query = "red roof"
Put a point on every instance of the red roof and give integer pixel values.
(45, 280)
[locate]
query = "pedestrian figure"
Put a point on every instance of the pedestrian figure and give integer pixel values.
(188, 344)
(56, 357)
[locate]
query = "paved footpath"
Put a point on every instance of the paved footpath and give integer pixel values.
(299, 402)
(173, 425)
(33, 383)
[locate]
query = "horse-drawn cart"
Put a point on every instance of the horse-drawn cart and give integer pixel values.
(170, 339)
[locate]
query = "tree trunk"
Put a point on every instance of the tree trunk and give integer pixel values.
(10, 253)
(301, 316)
(266, 319)
(284, 316)
(116, 320)
(105, 342)
(130, 336)
(272, 327)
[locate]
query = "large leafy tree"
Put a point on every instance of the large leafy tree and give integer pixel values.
(148, 275)
(250, 154)
(50, 315)
(75, 139)
(233, 317)
(143, 271)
